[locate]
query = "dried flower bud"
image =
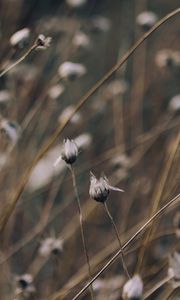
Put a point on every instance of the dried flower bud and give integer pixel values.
(25, 285)
(20, 37)
(146, 20)
(50, 246)
(43, 42)
(174, 269)
(69, 153)
(70, 70)
(133, 289)
(99, 188)
(167, 58)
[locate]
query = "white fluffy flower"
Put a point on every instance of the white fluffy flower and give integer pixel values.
(101, 23)
(25, 285)
(133, 288)
(146, 19)
(55, 91)
(50, 246)
(69, 153)
(11, 129)
(174, 104)
(174, 269)
(70, 70)
(20, 37)
(100, 188)
(81, 40)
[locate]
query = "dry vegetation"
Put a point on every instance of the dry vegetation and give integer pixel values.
(126, 127)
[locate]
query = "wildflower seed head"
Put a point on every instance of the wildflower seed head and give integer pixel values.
(43, 42)
(146, 20)
(56, 91)
(25, 285)
(100, 24)
(174, 269)
(81, 40)
(70, 151)
(174, 104)
(20, 38)
(167, 58)
(66, 113)
(176, 222)
(133, 288)
(50, 246)
(11, 129)
(70, 70)
(99, 188)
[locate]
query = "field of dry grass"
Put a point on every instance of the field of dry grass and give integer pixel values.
(89, 104)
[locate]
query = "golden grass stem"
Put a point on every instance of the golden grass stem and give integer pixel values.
(82, 228)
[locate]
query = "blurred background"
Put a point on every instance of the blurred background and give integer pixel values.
(128, 130)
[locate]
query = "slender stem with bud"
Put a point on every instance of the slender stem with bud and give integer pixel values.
(33, 47)
(119, 240)
(82, 227)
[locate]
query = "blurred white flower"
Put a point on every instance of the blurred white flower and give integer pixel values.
(76, 3)
(70, 70)
(5, 96)
(133, 288)
(176, 223)
(43, 42)
(55, 91)
(174, 269)
(100, 23)
(11, 129)
(50, 246)
(25, 285)
(66, 113)
(20, 37)
(174, 104)
(100, 188)
(167, 58)
(116, 87)
(44, 171)
(69, 153)
(146, 19)
(81, 40)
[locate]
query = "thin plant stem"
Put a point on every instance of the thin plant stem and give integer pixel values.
(82, 227)
(157, 286)
(29, 51)
(9, 207)
(119, 240)
(116, 255)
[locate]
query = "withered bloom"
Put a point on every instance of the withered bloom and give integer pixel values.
(100, 188)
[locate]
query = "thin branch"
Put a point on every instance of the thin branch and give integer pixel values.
(19, 189)
(29, 51)
(113, 259)
(119, 240)
(82, 227)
